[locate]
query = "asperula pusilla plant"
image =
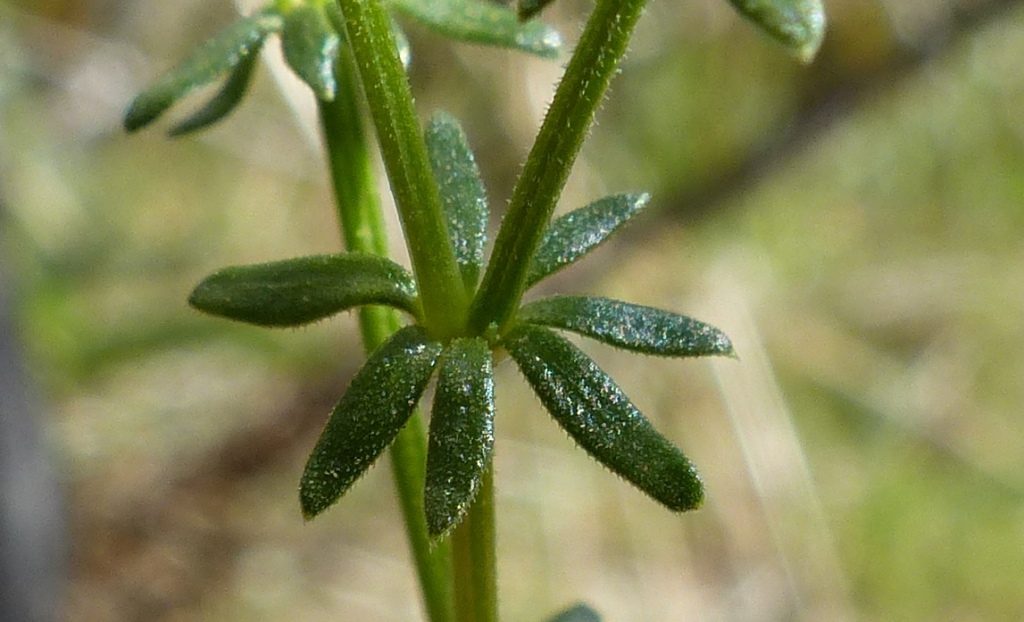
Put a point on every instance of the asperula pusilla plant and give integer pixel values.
(452, 316)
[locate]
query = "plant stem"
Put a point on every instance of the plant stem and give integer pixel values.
(386, 87)
(476, 593)
(433, 559)
(368, 31)
(363, 229)
(591, 68)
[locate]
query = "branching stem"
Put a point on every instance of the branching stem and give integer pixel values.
(368, 31)
(589, 72)
(540, 185)
(362, 226)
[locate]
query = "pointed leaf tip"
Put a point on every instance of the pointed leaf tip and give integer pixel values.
(797, 24)
(572, 236)
(461, 433)
(378, 402)
(462, 193)
(632, 327)
(598, 415)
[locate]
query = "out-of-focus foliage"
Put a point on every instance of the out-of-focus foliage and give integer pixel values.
(867, 209)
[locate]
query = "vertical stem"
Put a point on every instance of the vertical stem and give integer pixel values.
(433, 560)
(363, 229)
(586, 79)
(582, 88)
(368, 31)
(476, 576)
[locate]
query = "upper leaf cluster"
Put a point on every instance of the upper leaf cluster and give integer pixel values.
(311, 34)
(797, 24)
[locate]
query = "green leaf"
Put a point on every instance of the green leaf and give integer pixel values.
(479, 21)
(577, 613)
(221, 104)
(214, 59)
(599, 416)
(379, 401)
(462, 193)
(461, 432)
(310, 46)
(628, 326)
(527, 9)
(797, 24)
(298, 291)
(575, 234)
(368, 33)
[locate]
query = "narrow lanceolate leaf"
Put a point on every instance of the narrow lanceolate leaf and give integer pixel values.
(378, 402)
(575, 234)
(599, 416)
(462, 193)
(461, 432)
(299, 291)
(214, 59)
(628, 326)
(480, 21)
(226, 99)
(310, 46)
(797, 24)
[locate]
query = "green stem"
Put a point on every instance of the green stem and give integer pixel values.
(476, 593)
(368, 30)
(582, 88)
(363, 229)
(433, 560)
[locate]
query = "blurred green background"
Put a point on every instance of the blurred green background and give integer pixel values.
(857, 227)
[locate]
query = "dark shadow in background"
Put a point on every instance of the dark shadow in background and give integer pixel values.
(33, 544)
